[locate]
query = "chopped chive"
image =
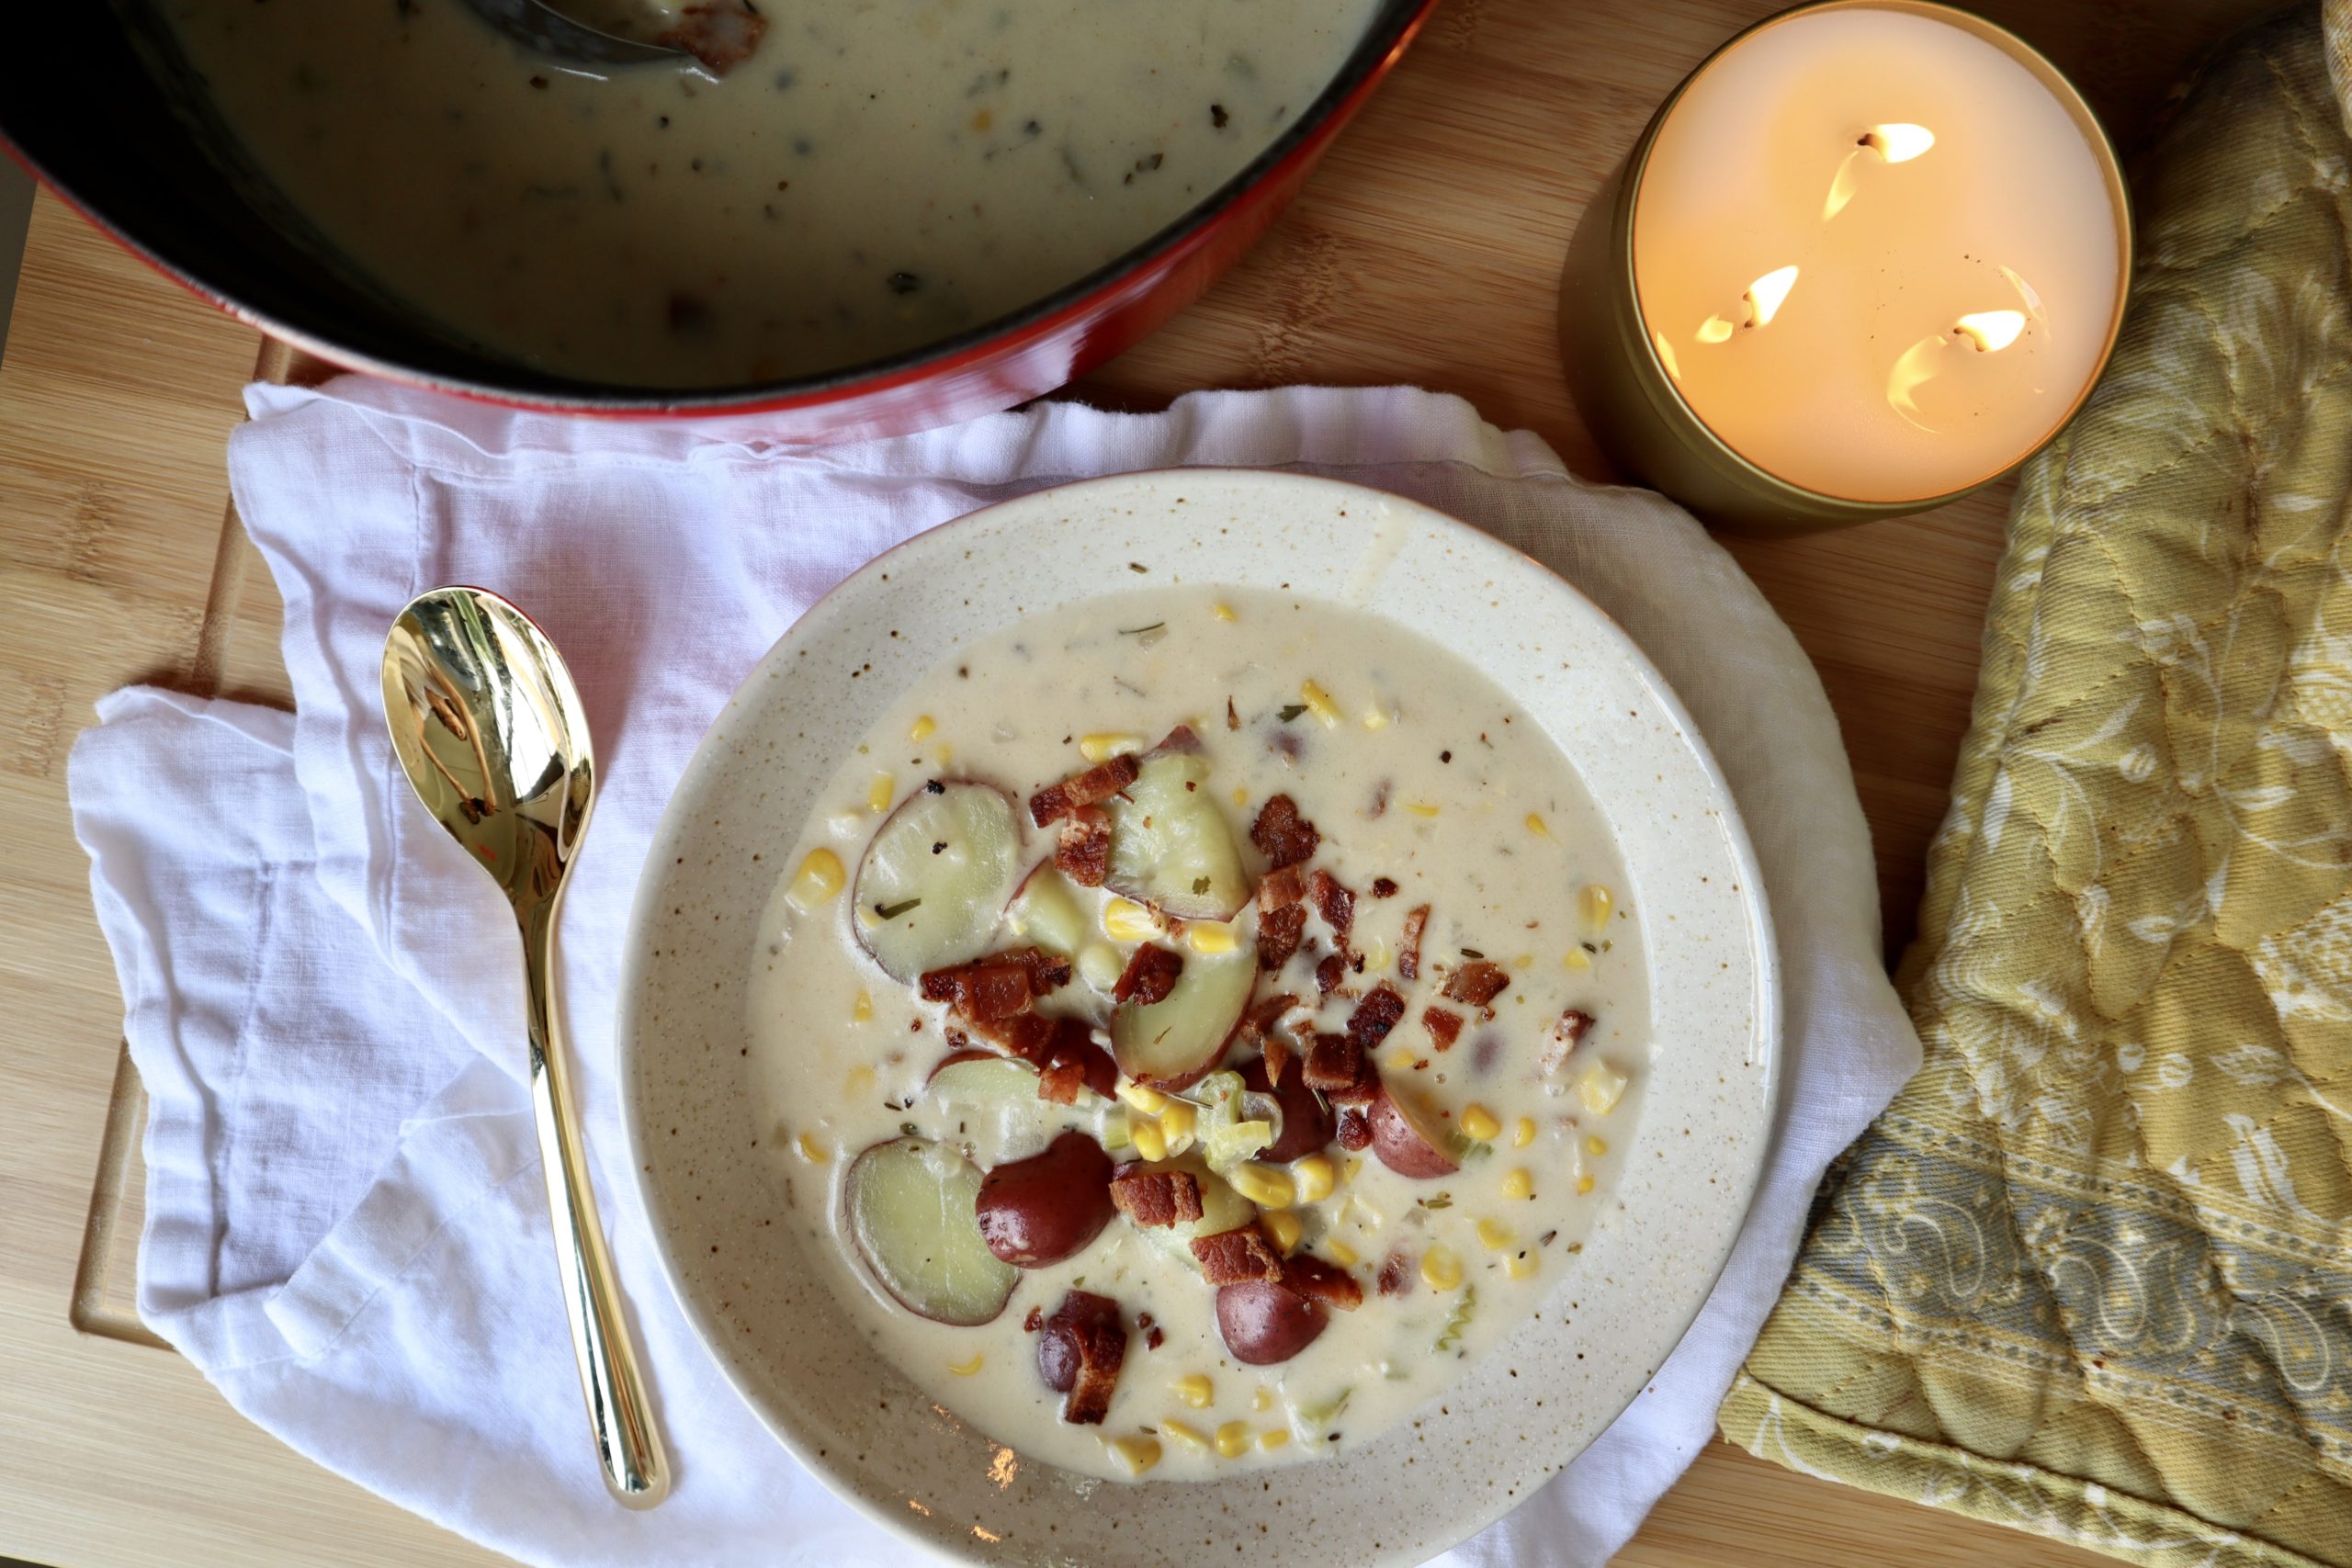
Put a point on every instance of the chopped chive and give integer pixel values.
(1292, 712)
(892, 911)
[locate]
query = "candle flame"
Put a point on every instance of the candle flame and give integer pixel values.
(1991, 330)
(1715, 328)
(1913, 370)
(1767, 293)
(1898, 144)
(1666, 353)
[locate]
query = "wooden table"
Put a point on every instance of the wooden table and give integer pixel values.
(1425, 251)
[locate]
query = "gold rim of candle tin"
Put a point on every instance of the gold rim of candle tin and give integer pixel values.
(1633, 406)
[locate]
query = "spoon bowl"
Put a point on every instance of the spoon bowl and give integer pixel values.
(543, 30)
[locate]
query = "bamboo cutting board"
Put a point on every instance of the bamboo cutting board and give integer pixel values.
(1426, 251)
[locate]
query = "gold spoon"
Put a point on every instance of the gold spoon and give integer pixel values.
(490, 733)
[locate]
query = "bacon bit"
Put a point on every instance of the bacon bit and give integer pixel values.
(1079, 1353)
(1334, 903)
(1278, 936)
(1179, 739)
(1383, 887)
(1319, 1282)
(1409, 947)
(1096, 785)
(722, 35)
(1444, 1026)
(1282, 835)
(1232, 719)
(1477, 983)
(995, 988)
(1231, 1257)
(1283, 887)
(1156, 1198)
(1257, 1023)
(1566, 1035)
(1149, 975)
(1330, 973)
(1379, 807)
(1036, 1318)
(1277, 1057)
(1083, 850)
(1395, 1277)
(1376, 1016)
(1154, 1339)
(1074, 1058)
(1060, 1082)
(1333, 1062)
(1355, 1130)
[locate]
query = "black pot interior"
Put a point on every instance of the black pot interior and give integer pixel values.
(95, 96)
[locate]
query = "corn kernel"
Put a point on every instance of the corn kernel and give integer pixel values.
(1479, 1122)
(1208, 936)
(860, 1080)
(1181, 1121)
(1099, 966)
(1495, 1236)
(879, 794)
(1341, 1252)
(1240, 795)
(1375, 955)
(1441, 1271)
(1138, 1454)
(1584, 1184)
(1224, 612)
(1274, 1437)
(1400, 1060)
(1262, 1400)
(1537, 826)
(1150, 1143)
(1521, 1265)
(1421, 807)
(1319, 703)
(1262, 1185)
(1315, 1176)
(1596, 903)
(943, 753)
(1595, 1145)
(1524, 1134)
(966, 1369)
(1102, 747)
(1183, 1433)
(821, 879)
(1233, 1438)
(1521, 962)
(1124, 920)
(1577, 959)
(922, 729)
(1600, 1088)
(1148, 1100)
(1520, 1183)
(1376, 718)
(1282, 1228)
(811, 1150)
(862, 1009)
(1196, 1391)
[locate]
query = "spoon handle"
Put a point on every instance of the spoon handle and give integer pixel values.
(637, 1472)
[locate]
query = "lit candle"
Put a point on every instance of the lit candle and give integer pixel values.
(1874, 249)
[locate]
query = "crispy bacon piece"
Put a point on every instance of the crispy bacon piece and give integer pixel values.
(992, 989)
(1096, 785)
(1444, 1026)
(1156, 1198)
(1074, 1061)
(1282, 887)
(1330, 973)
(1566, 1035)
(1084, 849)
(1231, 1257)
(721, 36)
(1355, 1130)
(1277, 935)
(1282, 835)
(1376, 1016)
(1408, 946)
(1334, 903)
(1028, 1035)
(1396, 1275)
(1277, 1058)
(1257, 1023)
(1383, 887)
(1477, 983)
(1079, 1354)
(1035, 1321)
(1333, 1062)
(1149, 975)
(1319, 1282)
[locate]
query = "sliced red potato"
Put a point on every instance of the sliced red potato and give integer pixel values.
(908, 1208)
(1407, 1140)
(1044, 911)
(1170, 845)
(934, 877)
(1038, 1210)
(1262, 1323)
(1170, 1044)
(1305, 1123)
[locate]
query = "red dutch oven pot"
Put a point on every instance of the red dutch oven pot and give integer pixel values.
(96, 101)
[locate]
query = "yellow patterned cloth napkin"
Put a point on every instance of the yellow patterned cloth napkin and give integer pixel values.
(2091, 1274)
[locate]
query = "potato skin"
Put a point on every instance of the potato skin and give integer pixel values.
(1262, 1323)
(1402, 1143)
(1306, 1124)
(1038, 1210)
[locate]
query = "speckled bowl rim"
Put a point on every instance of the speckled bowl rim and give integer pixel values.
(934, 550)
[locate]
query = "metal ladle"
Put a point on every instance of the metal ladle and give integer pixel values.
(491, 732)
(543, 30)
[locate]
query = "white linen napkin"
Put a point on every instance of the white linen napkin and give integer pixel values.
(345, 1228)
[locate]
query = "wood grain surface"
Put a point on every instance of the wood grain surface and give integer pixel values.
(1425, 251)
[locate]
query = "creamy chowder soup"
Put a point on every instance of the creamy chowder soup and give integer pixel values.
(1196, 1024)
(876, 174)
